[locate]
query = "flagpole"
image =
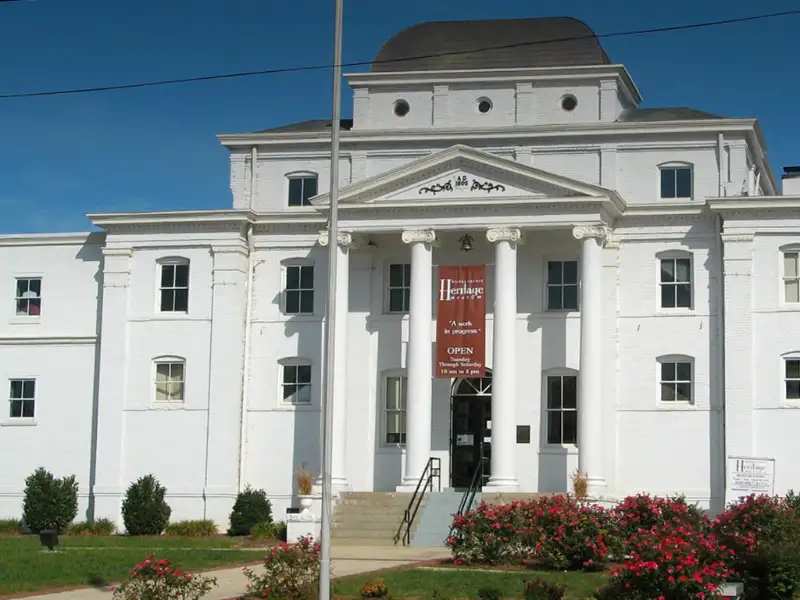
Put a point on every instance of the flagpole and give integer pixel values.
(330, 321)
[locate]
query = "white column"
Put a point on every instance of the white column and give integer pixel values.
(590, 384)
(347, 242)
(504, 384)
(419, 361)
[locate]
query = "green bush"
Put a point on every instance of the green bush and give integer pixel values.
(489, 593)
(9, 526)
(251, 507)
(268, 530)
(49, 503)
(203, 528)
(144, 510)
(541, 589)
(97, 527)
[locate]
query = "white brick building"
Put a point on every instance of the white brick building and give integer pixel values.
(190, 344)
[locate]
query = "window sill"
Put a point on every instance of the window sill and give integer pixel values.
(677, 405)
(170, 315)
(19, 422)
(676, 312)
(556, 450)
(168, 405)
(297, 408)
(392, 449)
(22, 320)
(564, 312)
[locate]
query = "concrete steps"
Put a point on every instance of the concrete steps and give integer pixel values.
(369, 518)
(436, 518)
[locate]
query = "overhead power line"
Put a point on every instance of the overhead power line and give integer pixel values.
(241, 74)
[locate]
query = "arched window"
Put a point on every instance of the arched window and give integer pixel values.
(676, 180)
(169, 379)
(675, 378)
(303, 186)
(295, 378)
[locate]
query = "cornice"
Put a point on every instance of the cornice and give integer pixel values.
(52, 239)
(756, 204)
(183, 217)
(48, 340)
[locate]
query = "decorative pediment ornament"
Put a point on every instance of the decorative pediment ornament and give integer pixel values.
(462, 182)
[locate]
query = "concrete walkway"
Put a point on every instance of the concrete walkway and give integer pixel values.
(347, 560)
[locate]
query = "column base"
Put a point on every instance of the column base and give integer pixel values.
(410, 485)
(338, 485)
(596, 487)
(501, 485)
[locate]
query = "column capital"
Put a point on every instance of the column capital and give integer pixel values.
(601, 232)
(505, 234)
(352, 241)
(425, 236)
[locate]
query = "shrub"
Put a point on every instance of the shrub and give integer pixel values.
(199, 528)
(156, 579)
(642, 513)
(144, 510)
(267, 530)
(49, 503)
(764, 534)
(671, 562)
(375, 589)
(291, 572)
(540, 589)
(9, 526)
(251, 507)
(98, 527)
(489, 593)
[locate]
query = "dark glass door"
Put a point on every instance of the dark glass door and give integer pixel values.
(472, 416)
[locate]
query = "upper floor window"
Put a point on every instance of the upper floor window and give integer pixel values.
(562, 409)
(791, 277)
(28, 296)
(170, 380)
(676, 282)
(174, 288)
(562, 285)
(399, 288)
(299, 290)
(296, 382)
(676, 379)
(676, 182)
(792, 378)
(396, 390)
(301, 189)
(22, 398)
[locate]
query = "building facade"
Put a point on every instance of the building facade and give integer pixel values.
(643, 289)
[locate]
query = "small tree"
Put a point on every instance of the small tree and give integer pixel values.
(144, 510)
(251, 507)
(49, 503)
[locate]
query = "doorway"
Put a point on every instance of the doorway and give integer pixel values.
(471, 421)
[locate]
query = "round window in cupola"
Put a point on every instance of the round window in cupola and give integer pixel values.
(569, 102)
(484, 105)
(401, 108)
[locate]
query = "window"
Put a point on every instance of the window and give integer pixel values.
(676, 182)
(170, 381)
(676, 381)
(562, 409)
(396, 393)
(792, 379)
(296, 384)
(562, 285)
(399, 288)
(28, 296)
(299, 296)
(22, 398)
(791, 278)
(301, 189)
(174, 288)
(676, 283)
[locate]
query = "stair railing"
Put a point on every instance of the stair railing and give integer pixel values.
(478, 481)
(433, 469)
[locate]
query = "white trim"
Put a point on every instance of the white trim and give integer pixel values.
(298, 262)
(674, 255)
(48, 340)
(172, 261)
(51, 239)
(674, 359)
(385, 375)
(794, 355)
(6, 414)
(546, 285)
(782, 279)
(386, 287)
(675, 165)
(544, 446)
(300, 174)
(296, 361)
(168, 359)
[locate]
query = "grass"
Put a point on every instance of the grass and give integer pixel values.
(445, 584)
(103, 560)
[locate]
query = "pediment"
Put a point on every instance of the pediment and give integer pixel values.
(461, 173)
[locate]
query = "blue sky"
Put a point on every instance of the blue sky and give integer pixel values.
(155, 149)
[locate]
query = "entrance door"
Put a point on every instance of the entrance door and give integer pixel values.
(471, 430)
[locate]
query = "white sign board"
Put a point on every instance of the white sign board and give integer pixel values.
(748, 475)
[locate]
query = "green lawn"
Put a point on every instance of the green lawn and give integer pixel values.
(451, 584)
(24, 566)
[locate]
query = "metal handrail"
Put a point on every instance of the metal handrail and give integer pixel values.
(469, 496)
(433, 468)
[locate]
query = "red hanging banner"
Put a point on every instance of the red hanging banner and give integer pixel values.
(461, 322)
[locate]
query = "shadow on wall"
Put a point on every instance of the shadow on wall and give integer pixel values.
(92, 252)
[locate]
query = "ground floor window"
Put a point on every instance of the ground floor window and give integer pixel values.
(792, 379)
(395, 409)
(561, 411)
(22, 398)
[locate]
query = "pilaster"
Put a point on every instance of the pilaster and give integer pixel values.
(441, 106)
(524, 109)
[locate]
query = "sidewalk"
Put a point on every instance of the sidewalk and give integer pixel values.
(347, 560)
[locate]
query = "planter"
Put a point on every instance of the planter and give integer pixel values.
(305, 503)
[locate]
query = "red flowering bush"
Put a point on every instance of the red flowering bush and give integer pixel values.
(670, 563)
(157, 579)
(291, 572)
(643, 512)
(556, 531)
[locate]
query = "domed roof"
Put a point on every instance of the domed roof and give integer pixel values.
(491, 44)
